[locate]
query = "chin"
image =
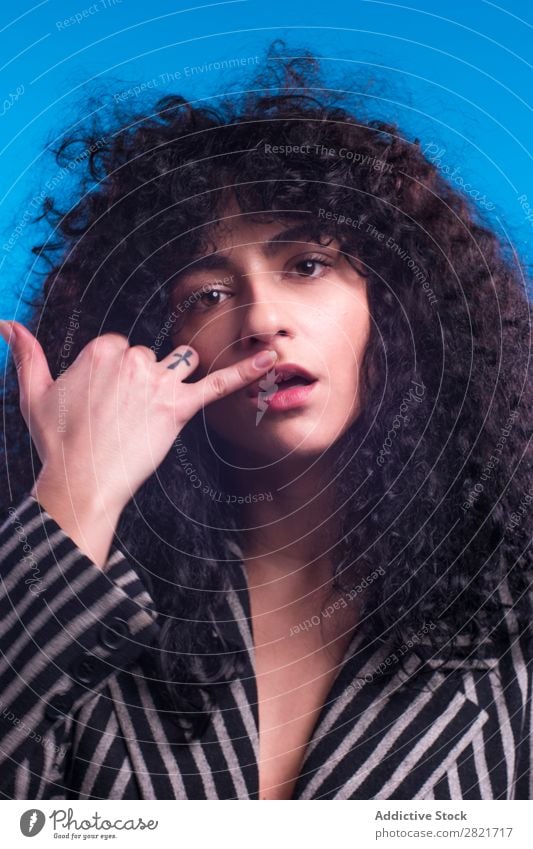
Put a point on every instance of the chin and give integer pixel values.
(284, 443)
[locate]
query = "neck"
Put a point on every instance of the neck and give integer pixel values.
(288, 541)
(291, 534)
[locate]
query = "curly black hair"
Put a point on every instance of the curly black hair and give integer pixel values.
(433, 474)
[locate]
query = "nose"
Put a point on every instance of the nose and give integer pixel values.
(263, 317)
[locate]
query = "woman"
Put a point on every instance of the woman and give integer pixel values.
(303, 578)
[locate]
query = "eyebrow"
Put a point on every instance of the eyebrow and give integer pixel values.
(270, 248)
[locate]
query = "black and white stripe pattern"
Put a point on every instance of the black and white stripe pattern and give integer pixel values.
(80, 717)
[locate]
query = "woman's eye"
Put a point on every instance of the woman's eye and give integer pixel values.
(207, 301)
(308, 267)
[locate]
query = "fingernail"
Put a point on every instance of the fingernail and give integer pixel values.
(265, 358)
(7, 331)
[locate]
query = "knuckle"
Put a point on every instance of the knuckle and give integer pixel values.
(106, 345)
(218, 385)
(141, 352)
(23, 353)
(21, 359)
(243, 373)
(118, 340)
(110, 342)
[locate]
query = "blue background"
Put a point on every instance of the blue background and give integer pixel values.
(454, 74)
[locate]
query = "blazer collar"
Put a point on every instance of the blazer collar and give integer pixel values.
(366, 742)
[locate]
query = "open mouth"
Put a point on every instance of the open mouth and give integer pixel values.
(297, 380)
(281, 378)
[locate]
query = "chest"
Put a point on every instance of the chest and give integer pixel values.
(291, 695)
(295, 671)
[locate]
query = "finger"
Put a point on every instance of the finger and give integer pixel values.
(224, 381)
(147, 352)
(182, 361)
(32, 368)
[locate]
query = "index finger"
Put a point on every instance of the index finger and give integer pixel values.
(224, 381)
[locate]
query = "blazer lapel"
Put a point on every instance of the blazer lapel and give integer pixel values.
(223, 762)
(146, 739)
(388, 736)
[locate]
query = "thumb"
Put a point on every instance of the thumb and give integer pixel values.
(32, 368)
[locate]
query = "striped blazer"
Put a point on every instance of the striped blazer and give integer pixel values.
(80, 717)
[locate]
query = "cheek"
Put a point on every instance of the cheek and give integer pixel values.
(345, 307)
(355, 324)
(350, 331)
(345, 332)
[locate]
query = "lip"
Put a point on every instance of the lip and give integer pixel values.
(269, 388)
(288, 399)
(275, 375)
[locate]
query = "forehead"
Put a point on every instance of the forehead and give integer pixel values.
(272, 236)
(236, 227)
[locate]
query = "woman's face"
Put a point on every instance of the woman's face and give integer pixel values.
(268, 288)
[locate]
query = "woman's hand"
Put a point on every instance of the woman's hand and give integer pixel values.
(107, 422)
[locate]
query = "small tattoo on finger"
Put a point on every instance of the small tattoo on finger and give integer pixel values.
(181, 358)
